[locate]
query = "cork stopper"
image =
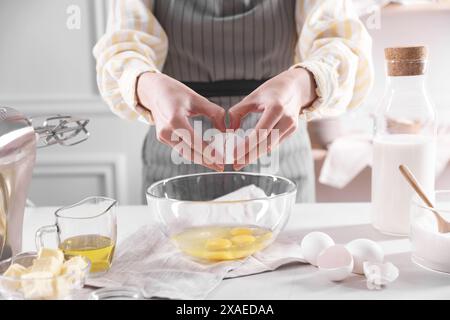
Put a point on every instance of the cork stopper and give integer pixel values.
(406, 61)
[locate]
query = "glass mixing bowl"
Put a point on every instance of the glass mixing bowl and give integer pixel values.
(222, 216)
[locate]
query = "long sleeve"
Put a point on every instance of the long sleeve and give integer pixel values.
(134, 43)
(336, 48)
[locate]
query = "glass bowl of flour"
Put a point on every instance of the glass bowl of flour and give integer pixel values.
(430, 248)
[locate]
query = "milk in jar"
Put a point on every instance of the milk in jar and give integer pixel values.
(391, 195)
(405, 133)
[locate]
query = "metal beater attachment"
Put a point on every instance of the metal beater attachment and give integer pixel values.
(63, 130)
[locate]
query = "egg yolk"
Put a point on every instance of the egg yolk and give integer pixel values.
(219, 243)
(243, 240)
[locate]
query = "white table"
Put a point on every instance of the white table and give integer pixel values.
(343, 222)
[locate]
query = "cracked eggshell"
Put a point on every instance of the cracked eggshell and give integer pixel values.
(380, 273)
(364, 250)
(218, 143)
(313, 244)
(335, 263)
(225, 143)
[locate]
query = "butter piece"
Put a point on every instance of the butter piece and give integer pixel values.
(43, 280)
(61, 287)
(51, 253)
(73, 269)
(15, 270)
(49, 264)
(38, 285)
(74, 263)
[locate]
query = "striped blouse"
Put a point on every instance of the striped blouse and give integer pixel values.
(333, 45)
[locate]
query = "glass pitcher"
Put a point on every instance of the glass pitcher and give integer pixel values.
(87, 228)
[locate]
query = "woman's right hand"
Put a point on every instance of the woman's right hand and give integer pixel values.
(171, 104)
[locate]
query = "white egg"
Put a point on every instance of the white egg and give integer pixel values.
(313, 244)
(218, 143)
(335, 263)
(225, 143)
(364, 250)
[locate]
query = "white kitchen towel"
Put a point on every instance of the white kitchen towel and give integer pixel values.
(347, 156)
(149, 261)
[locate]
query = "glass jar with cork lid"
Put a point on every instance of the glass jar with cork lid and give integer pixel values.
(405, 133)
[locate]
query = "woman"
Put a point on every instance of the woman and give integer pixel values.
(167, 61)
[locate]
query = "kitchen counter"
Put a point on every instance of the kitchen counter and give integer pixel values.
(343, 222)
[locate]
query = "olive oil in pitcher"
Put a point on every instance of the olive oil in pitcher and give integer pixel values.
(98, 249)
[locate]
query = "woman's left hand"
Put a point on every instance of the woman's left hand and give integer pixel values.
(280, 101)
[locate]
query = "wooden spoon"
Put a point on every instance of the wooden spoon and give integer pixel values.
(443, 225)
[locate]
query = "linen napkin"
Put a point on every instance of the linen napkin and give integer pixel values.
(149, 261)
(347, 156)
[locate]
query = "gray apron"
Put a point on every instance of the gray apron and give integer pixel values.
(213, 41)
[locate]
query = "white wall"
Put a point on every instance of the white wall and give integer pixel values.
(431, 28)
(45, 68)
(405, 28)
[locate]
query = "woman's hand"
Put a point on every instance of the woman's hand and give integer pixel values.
(280, 100)
(171, 104)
